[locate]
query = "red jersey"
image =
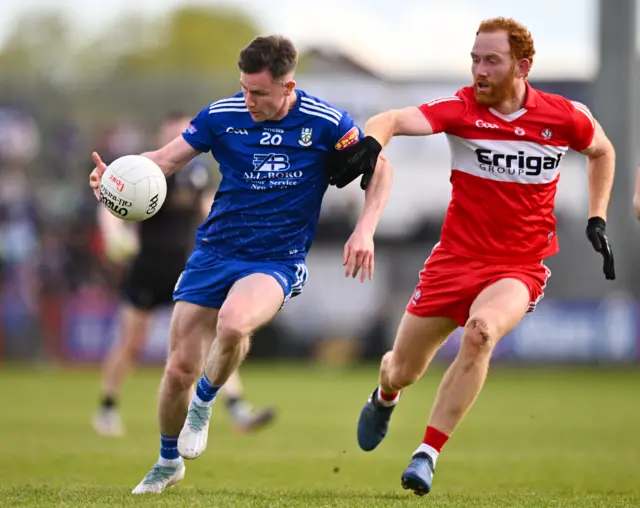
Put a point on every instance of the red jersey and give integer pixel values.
(505, 172)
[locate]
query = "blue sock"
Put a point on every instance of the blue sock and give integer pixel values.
(169, 447)
(205, 391)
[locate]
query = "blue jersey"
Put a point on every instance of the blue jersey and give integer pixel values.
(274, 175)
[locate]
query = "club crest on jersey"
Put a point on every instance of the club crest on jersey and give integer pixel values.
(546, 133)
(350, 138)
(305, 136)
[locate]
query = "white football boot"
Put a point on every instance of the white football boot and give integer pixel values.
(160, 478)
(193, 436)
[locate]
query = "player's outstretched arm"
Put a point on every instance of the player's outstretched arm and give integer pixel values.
(359, 249)
(170, 158)
(360, 159)
(397, 122)
(602, 160)
(173, 156)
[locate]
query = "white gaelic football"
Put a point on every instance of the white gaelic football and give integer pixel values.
(133, 188)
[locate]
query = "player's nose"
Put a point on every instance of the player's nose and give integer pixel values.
(481, 72)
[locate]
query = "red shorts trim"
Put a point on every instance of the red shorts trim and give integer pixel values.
(449, 284)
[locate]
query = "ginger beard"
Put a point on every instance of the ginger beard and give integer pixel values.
(492, 93)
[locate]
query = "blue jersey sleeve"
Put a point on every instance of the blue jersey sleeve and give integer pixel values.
(199, 133)
(348, 132)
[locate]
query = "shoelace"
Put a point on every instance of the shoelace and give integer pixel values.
(159, 474)
(197, 417)
(421, 460)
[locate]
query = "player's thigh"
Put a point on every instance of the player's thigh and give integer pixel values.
(418, 338)
(191, 327)
(499, 308)
(252, 302)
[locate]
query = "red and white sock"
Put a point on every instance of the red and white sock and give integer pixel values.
(432, 443)
(387, 399)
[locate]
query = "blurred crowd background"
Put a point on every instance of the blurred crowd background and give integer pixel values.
(63, 95)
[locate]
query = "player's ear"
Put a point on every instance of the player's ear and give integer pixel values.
(290, 87)
(523, 66)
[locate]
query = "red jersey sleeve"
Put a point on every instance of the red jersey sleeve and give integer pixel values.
(443, 113)
(583, 126)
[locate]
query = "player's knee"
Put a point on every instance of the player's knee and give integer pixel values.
(478, 339)
(402, 376)
(180, 372)
(233, 326)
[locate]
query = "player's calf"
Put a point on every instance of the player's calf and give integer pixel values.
(175, 390)
(464, 379)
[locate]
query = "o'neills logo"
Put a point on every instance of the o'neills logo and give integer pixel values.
(119, 183)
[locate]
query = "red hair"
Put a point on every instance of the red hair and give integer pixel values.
(520, 39)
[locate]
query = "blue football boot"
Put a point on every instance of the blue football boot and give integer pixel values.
(419, 474)
(373, 423)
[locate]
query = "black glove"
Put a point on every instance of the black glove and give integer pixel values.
(349, 163)
(596, 233)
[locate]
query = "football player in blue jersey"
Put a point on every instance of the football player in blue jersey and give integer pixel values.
(276, 146)
(150, 278)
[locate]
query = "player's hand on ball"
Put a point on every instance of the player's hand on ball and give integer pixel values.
(596, 233)
(358, 255)
(96, 174)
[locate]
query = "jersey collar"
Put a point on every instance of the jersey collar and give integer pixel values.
(530, 102)
(532, 97)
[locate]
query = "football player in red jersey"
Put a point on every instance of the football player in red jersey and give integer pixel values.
(508, 142)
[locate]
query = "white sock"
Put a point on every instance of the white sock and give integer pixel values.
(169, 462)
(200, 402)
(387, 403)
(430, 451)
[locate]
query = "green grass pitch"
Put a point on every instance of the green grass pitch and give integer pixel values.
(537, 437)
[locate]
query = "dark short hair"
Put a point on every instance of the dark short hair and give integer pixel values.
(274, 52)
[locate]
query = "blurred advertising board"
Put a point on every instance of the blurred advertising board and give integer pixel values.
(605, 330)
